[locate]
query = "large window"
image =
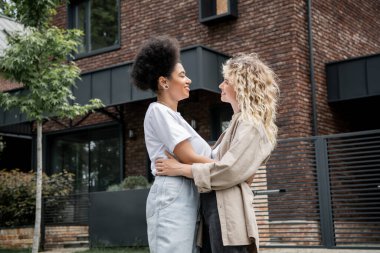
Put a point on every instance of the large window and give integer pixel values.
(94, 156)
(99, 21)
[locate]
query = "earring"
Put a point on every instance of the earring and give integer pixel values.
(166, 86)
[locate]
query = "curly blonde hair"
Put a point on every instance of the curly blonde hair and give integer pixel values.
(256, 90)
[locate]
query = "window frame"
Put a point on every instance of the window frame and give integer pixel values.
(72, 16)
(231, 13)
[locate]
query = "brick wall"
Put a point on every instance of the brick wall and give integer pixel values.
(16, 238)
(55, 236)
(277, 30)
(6, 85)
(268, 28)
(342, 30)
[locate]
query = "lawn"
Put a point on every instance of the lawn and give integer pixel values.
(96, 250)
(15, 250)
(116, 250)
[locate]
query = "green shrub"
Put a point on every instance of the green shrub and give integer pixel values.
(130, 182)
(135, 182)
(114, 188)
(17, 195)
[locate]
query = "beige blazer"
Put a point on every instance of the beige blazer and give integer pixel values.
(243, 147)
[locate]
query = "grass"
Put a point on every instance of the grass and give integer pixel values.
(15, 250)
(116, 250)
(95, 250)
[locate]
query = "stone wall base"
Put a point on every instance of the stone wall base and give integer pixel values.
(55, 237)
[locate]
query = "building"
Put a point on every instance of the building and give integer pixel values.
(326, 54)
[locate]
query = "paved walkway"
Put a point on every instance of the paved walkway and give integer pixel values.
(69, 250)
(263, 250)
(306, 250)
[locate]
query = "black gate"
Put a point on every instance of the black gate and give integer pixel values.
(321, 192)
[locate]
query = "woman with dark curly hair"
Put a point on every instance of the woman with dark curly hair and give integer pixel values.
(172, 204)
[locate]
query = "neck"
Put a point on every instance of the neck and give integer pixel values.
(235, 107)
(168, 102)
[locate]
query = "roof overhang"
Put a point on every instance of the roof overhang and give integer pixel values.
(113, 85)
(353, 79)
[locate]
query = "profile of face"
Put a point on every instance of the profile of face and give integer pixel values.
(178, 83)
(228, 94)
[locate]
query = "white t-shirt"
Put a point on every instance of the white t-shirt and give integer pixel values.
(164, 129)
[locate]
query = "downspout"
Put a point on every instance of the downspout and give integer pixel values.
(311, 65)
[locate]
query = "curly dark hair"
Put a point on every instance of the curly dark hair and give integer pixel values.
(157, 57)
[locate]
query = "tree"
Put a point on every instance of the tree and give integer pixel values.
(7, 8)
(39, 58)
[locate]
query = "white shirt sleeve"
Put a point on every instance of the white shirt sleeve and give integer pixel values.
(167, 127)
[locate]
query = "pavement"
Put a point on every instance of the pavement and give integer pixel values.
(262, 250)
(68, 250)
(308, 250)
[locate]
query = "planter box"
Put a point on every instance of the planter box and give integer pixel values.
(118, 218)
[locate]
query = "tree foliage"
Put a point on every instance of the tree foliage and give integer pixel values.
(31, 13)
(38, 60)
(7, 8)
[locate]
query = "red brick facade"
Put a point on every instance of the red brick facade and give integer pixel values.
(277, 31)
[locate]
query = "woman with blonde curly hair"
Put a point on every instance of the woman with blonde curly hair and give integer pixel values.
(228, 218)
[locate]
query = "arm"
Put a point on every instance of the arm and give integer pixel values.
(185, 153)
(246, 153)
(174, 136)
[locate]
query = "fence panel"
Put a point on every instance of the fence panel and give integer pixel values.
(288, 211)
(354, 167)
(72, 209)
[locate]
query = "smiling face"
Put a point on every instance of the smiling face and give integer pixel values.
(228, 94)
(179, 83)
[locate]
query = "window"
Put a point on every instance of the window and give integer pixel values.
(99, 21)
(211, 11)
(221, 117)
(94, 156)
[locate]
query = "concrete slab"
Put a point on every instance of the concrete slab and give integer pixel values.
(306, 250)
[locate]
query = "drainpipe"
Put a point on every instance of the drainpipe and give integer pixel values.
(311, 64)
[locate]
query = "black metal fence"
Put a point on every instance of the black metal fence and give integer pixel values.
(314, 192)
(67, 210)
(354, 168)
(65, 221)
(331, 195)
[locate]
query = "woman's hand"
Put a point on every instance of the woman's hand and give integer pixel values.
(249, 181)
(168, 167)
(171, 167)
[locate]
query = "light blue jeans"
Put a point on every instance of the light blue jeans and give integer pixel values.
(171, 211)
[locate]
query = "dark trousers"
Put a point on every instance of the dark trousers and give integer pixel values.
(212, 234)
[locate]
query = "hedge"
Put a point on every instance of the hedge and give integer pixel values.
(18, 190)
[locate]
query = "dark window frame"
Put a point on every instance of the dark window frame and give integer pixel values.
(50, 136)
(207, 12)
(71, 25)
